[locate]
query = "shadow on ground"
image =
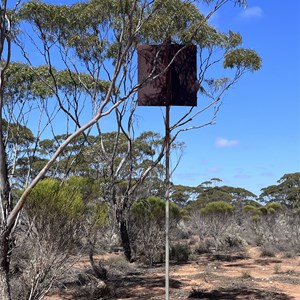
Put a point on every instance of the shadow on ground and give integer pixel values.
(240, 293)
(129, 285)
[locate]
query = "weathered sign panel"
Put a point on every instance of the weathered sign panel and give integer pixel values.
(167, 86)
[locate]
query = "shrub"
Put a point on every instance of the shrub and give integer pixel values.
(193, 256)
(246, 275)
(118, 264)
(147, 229)
(233, 241)
(217, 207)
(203, 248)
(180, 252)
(55, 222)
(268, 251)
(218, 217)
(289, 254)
(277, 269)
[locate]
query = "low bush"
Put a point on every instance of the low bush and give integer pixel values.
(246, 275)
(180, 252)
(268, 251)
(233, 241)
(203, 248)
(289, 254)
(118, 264)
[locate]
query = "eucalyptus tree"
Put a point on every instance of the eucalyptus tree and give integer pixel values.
(211, 194)
(234, 195)
(286, 192)
(182, 195)
(79, 66)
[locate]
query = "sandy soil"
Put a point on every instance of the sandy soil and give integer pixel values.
(207, 277)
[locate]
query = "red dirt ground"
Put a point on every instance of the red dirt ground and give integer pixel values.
(205, 278)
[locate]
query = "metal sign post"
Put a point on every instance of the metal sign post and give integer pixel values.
(167, 196)
(169, 71)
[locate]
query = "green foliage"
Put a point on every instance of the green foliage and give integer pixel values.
(233, 195)
(234, 39)
(58, 208)
(17, 134)
(148, 223)
(56, 211)
(242, 58)
(23, 82)
(84, 156)
(239, 194)
(99, 215)
(181, 194)
(77, 26)
(180, 252)
(81, 25)
(258, 212)
(252, 203)
(213, 194)
(233, 241)
(70, 199)
(217, 207)
(273, 207)
(252, 209)
(286, 192)
(263, 210)
(153, 208)
(50, 199)
(175, 19)
(86, 187)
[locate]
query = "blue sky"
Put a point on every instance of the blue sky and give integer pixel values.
(256, 138)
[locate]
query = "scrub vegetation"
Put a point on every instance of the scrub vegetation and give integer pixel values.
(71, 190)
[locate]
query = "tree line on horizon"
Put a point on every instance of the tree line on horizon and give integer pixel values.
(86, 156)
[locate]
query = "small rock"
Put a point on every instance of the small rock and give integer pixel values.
(101, 284)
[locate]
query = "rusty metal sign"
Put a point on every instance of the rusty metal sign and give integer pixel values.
(175, 85)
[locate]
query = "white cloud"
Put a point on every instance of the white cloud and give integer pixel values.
(214, 170)
(225, 143)
(252, 12)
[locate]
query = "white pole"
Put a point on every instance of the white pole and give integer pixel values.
(167, 196)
